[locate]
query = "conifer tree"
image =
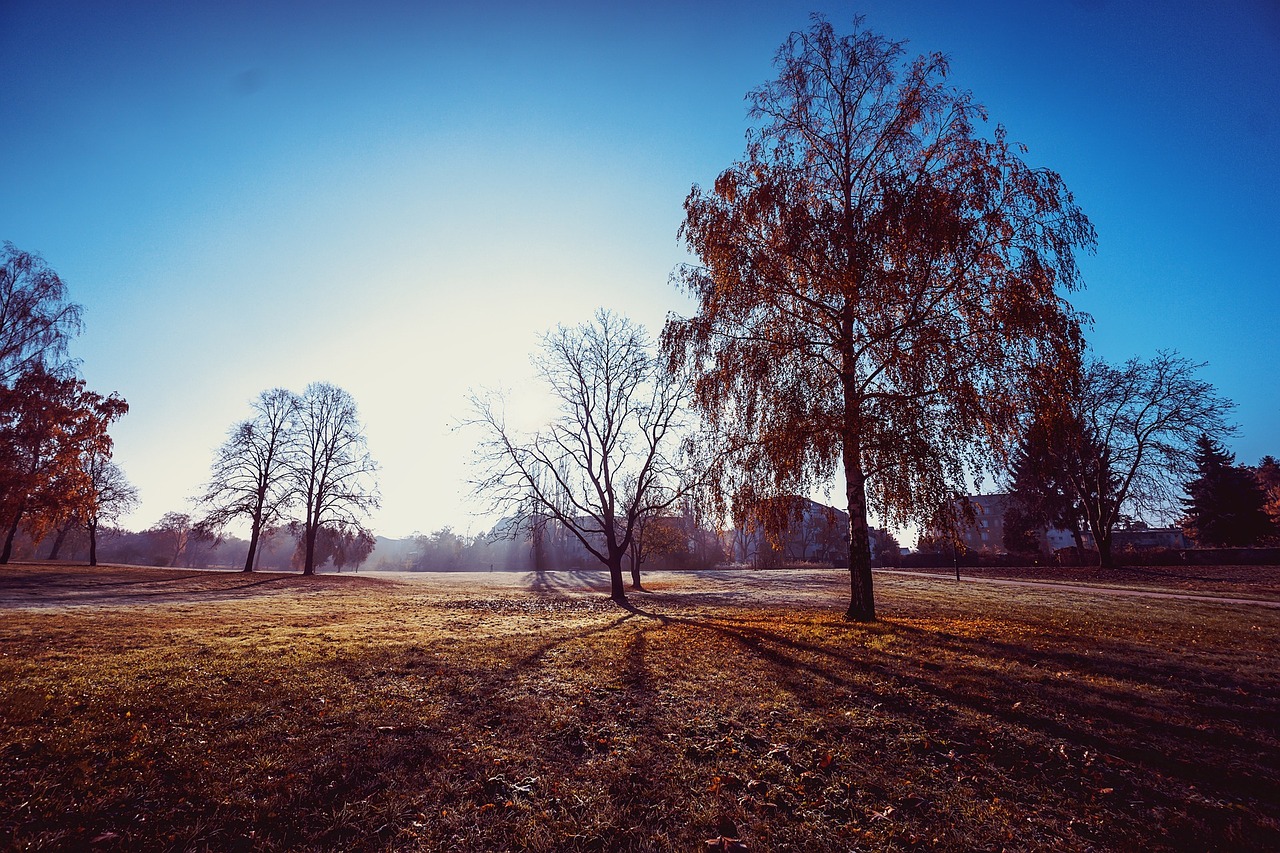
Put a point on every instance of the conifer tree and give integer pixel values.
(1224, 503)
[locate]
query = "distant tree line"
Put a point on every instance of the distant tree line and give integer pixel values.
(671, 542)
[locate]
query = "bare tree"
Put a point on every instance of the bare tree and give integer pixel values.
(875, 279)
(331, 472)
(1135, 443)
(250, 477)
(35, 317)
(175, 530)
(607, 460)
(108, 494)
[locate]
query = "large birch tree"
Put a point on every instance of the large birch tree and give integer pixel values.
(875, 278)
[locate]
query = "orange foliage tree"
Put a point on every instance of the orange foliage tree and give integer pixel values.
(48, 423)
(876, 278)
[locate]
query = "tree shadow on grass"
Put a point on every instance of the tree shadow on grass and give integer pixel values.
(558, 734)
(1227, 743)
(561, 581)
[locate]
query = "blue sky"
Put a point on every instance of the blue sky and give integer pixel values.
(400, 199)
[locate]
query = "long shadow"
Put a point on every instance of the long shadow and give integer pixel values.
(358, 764)
(567, 580)
(72, 589)
(794, 662)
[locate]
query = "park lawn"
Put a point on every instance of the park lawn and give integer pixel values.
(354, 714)
(1251, 582)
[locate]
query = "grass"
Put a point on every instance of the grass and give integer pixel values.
(354, 714)
(1254, 582)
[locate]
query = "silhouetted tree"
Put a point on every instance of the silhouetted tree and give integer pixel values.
(1140, 425)
(1225, 504)
(1021, 531)
(656, 536)
(331, 472)
(1041, 481)
(35, 317)
(174, 529)
(250, 478)
(47, 422)
(107, 495)
(343, 545)
(888, 548)
(875, 280)
(607, 461)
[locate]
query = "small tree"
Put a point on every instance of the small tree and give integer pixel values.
(656, 536)
(1140, 424)
(108, 494)
(607, 460)
(331, 472)
(174, 530)
(1225, 505)
(250, 477)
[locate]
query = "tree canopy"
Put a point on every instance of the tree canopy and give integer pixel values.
(36, 320)
(875, 281)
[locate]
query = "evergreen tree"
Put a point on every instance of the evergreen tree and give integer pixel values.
(1224, 503)
(1041, 488)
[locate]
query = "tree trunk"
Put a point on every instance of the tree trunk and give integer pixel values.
(862, 606)
(309, 541)
(93, 543)
(1104, 550)
(255, 534)
(8, 540)
(635, 573)
(618, 591)
(58, 540)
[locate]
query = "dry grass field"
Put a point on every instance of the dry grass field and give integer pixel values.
(151, 709)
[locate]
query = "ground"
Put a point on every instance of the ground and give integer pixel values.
(176, 710)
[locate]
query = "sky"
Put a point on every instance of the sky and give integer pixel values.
(401, 198)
